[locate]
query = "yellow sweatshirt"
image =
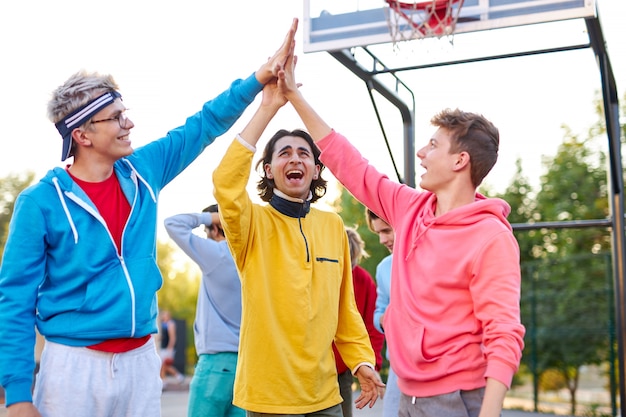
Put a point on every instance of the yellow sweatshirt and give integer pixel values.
(297, 298)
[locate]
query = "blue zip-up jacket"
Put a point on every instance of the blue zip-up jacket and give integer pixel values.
(61, 271)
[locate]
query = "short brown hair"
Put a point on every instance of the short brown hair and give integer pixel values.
(474, 134)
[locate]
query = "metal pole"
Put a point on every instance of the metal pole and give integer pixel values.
(616, 180)
(408, 119)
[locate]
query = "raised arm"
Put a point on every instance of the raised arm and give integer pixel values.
(232, 174)
(271, 102)
(313, 122)
(203, 251)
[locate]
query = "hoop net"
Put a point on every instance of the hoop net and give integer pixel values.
(416, 19)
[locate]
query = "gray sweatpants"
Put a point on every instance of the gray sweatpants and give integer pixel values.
(454, 404)
(79, 382)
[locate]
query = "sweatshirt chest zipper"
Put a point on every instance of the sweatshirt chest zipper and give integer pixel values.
(306, 242)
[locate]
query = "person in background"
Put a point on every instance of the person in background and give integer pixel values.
(168, 348)
(386, 236)
(218, 313)
(453, 321)
(80, 260)
(365, 297)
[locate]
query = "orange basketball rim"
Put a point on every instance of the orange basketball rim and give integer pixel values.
(430, 18)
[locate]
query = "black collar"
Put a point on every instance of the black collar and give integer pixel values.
(290, 207)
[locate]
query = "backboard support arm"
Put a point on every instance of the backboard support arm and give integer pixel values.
(345, 57)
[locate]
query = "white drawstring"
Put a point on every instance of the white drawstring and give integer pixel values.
(142, 180)
(113, 365)
(55, 180)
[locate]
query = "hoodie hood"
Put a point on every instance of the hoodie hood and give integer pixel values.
(66, 188)
(472, 213)
(466, 215)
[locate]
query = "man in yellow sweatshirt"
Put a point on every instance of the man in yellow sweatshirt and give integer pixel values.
(294, 264)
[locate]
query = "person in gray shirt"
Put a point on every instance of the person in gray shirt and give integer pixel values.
(218, 313)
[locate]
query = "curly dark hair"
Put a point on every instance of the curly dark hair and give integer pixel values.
(266, 185)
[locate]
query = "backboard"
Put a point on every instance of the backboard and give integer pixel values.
(338, 24)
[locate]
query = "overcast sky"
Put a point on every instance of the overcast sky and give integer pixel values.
(170, 57)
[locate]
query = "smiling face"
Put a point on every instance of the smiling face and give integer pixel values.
(108, 133)
(292, 167)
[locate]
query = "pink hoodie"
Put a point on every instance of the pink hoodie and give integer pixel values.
(453, 319)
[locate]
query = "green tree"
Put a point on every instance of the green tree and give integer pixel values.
(10, 187)
(564, 285)
(353, 214)
(522, 199)
(181, 281)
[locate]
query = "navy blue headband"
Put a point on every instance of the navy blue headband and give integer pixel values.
(79, 116)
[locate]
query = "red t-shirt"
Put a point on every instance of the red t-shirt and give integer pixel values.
(114, 208)
(111, 203)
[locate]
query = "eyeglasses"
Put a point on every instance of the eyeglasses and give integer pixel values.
(121, 118)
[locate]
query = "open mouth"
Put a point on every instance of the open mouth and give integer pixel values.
(295, 175)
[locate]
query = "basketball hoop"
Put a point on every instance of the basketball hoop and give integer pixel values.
(422, 19)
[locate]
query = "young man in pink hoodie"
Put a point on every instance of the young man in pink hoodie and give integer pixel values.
(453, 323)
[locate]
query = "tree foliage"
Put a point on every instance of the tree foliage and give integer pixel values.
(566, 272)
(181, 281)
(353, 214)
(10, 187)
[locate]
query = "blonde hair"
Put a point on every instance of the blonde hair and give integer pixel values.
(357, 246)
(77, 91)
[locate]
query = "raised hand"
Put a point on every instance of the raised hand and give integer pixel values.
(287, 77)
(273, 96)
(269, 70)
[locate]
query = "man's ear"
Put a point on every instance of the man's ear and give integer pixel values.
(268, 171)
(462, 161)
(80, 137)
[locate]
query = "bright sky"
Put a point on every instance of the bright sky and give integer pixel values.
(170, 57)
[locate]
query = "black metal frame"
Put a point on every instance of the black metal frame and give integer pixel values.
(616, 181)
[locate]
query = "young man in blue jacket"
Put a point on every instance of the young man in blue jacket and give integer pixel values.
(80, 260)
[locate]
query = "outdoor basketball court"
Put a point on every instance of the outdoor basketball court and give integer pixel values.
(388, 44)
